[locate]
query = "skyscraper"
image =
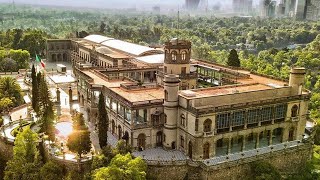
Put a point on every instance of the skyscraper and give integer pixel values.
(192, 4)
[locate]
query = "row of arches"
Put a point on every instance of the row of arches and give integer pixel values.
(236, 144)
(141, 140)
(59, 57)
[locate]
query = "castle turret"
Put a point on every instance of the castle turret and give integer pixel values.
(177, 61)
(171, 88)
(296, 80)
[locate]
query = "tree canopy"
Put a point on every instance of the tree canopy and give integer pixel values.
(10, 93)
(79, 140)
(123, 167)
(26, 159)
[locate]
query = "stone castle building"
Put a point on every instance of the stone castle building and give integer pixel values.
(160, 97)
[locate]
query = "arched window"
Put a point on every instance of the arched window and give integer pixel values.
(126, 137)
(291, 134)
(165, 95)
(294, 111)
(206, 150)
(190, 150)
(113, 127)
(119, 132)
(183, 56)
(174, 56)
(207, 125)
(159, 138)
(196, 126)
(141, 142)
(182, 119)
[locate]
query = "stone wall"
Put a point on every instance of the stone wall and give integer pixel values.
(287, 161)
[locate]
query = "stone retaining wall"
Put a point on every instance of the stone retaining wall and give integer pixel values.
(287, 161)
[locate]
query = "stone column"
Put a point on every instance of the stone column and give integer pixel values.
(270, 137)
(229, 145)
(243, 147)
(257, 141)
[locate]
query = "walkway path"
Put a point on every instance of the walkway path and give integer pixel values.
(159, 154)
(7, 132)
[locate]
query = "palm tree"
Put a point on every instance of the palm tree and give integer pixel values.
(10, 88)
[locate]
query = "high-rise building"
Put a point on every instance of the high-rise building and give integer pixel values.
(301, 8)
(192, 4)
(312, 9)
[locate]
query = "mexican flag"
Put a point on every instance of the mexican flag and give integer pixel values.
(38, 60)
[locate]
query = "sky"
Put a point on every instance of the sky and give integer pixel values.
(115, 3)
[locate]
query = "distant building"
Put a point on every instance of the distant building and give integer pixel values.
(242, 6)
(192, 4)
(312, 10)
(156, 9)
(301, 8)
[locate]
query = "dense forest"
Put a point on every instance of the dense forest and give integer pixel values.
(266, 46)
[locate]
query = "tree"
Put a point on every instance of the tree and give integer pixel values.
(233, 59)
(35, 91)
(51, 171)
(47, 115)
(103, 122)
(47, 122)
(26, 162)
(5, 104)
(79, 140)
(122, 167)
(9, 88)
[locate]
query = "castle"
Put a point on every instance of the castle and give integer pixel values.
(160, 97)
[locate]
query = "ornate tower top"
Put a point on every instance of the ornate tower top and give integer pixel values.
(177, 51)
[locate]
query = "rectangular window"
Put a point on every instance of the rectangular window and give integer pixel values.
(108, 102)
(253, 116)
(223, 121)
(266, 114)
(128, 115)
(121, 110)
(114, 106)
(182, 141)
(196, 126)
(145, 115)
(238, 118)
(280, 111)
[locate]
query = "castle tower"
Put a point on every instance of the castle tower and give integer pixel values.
(171, 88)
(296, 80)
(177, 61)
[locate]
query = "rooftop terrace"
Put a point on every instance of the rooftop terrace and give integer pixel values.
(222, 90)
(140, 95)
